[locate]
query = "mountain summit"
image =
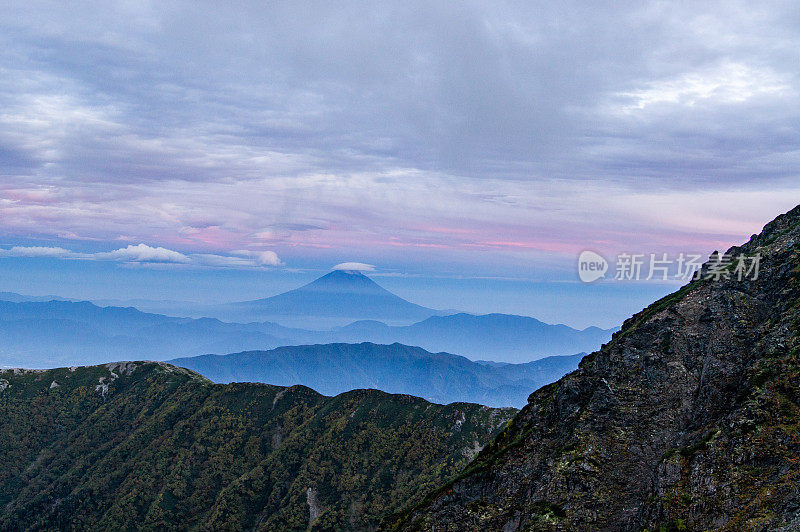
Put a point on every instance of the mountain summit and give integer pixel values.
(344, 295)
(351, 281)
(687, 420)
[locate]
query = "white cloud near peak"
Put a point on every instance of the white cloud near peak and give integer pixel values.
(355, 266)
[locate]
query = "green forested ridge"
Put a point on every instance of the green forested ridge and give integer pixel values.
(152, 446)
(335, 368)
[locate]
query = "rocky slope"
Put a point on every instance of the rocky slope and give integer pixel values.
(689, 419)
(149, 446)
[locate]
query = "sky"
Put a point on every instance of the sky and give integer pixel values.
(466, 152)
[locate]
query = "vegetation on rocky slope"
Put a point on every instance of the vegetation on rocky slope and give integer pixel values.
(151, 446)
(689, 419)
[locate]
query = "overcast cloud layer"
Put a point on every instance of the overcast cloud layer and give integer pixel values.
(450, 129)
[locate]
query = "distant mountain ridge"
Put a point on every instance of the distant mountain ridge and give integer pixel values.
(57, 333)
(341, 294)
(14, 297)
(335, 368)
(335, 299)
(499, 337)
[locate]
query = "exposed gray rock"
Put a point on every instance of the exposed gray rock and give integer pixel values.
(314, 509)
(689, 417)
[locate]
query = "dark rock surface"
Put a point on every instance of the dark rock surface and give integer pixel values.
(689, 419)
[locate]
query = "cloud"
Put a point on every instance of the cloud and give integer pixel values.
(34, 251)
(355, 266)
(724, 83)
(474, 91)
(143, 253)
(296, 226)
(260, 258)
(521, 122)
(222, 261)
(242, 259)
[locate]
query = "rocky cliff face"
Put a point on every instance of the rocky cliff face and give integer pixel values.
(689, 419)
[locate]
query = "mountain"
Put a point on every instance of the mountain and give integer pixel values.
(336, 368)
(147, 446)
(168, 307)
(499, 337)
(687, 420)
(53, 333)
(339, 297)
(19, 298)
